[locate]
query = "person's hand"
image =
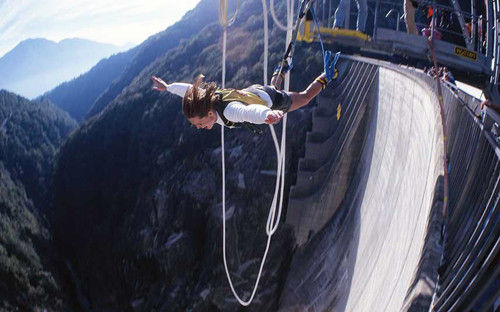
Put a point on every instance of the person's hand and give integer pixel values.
(159, 84)
(485, 103)
(330, 63)
(273, 117)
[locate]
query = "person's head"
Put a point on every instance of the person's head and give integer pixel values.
(198, 104)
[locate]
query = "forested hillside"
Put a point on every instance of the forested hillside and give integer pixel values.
(30, 135)
(191, 24)
(31, 132)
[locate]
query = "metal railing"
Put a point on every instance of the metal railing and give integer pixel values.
(469, 269)
(378, 11)
(475, 30)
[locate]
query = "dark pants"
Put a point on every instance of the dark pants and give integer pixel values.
(281, 100)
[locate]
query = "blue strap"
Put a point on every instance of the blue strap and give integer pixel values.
(328, 65)
(319, 32)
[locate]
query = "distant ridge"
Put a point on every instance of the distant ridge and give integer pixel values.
(37, 65)
(77, 95)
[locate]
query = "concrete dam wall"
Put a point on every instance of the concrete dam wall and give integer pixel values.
(366, 208)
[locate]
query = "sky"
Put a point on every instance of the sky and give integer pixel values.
(118, 22)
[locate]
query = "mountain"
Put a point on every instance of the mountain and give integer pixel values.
(30, 136)
(137, 191)
(37, 65)
(87, 95)
(77, 95)
(192, 23)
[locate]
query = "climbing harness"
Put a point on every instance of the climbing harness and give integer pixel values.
(286, 68)
(227, 96)
(274, 216)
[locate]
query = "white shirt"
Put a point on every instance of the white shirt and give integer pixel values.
(235, 111)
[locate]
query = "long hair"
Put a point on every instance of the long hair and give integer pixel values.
(199, 99)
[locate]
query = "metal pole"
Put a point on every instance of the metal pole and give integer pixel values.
(324, 7)
(315, 6)
(377, 5)
(433, 20)
(397, 21)
(465, 33)
(495, 40)
(480, 34)
(473, 22)
(347, 15)
(329, 13)
(489, 28)
(494, 35)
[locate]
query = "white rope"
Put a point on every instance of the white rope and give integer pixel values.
(273, 218)
(275, 19)
(266, 41)
(223, 20)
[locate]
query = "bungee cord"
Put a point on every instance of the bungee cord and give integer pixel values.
(223, 20)
(266, 42)
(289, 7)
(274, 216)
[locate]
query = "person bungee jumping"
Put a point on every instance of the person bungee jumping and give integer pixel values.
(204, 104)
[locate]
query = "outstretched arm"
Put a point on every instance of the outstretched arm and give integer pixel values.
(300, 99)
(159, 84)
(178, 88)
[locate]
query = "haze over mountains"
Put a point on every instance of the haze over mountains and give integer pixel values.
(35, 66)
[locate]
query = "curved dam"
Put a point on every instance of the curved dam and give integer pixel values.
(366, 207)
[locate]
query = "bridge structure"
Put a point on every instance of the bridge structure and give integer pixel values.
(469, 42)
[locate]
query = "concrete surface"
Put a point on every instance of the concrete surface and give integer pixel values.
(378, 230)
